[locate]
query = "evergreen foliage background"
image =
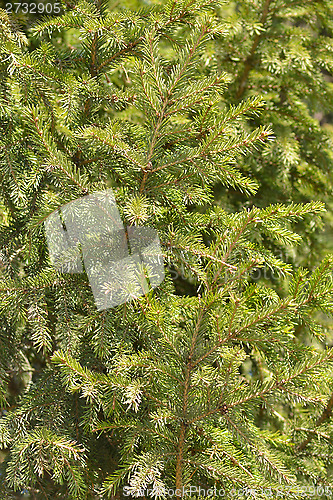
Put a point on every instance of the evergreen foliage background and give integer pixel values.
(209, 122)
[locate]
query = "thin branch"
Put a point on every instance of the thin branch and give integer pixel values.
(249, 61)
(326, 415)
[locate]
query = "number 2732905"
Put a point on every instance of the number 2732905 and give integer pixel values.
(33, 8)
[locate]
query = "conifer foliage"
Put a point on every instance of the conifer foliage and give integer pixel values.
(163, 391)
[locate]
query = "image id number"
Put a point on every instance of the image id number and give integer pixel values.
(33, 8)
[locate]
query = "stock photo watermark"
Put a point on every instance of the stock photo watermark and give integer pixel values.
(121, 263)
(246, 492)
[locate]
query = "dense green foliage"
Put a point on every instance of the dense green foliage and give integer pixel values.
(206, 380)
